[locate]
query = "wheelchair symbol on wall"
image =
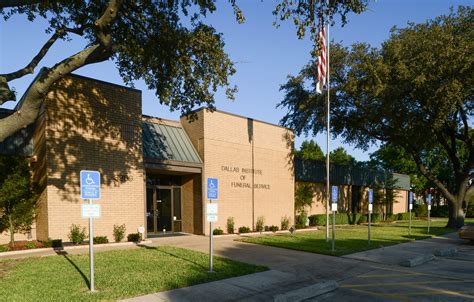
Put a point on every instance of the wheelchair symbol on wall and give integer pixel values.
(89, 180)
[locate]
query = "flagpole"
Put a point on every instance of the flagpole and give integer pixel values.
(327, 139)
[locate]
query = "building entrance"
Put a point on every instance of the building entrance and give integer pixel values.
(163, 209)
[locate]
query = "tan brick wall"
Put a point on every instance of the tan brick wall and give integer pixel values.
(92, 125)
(226, 140)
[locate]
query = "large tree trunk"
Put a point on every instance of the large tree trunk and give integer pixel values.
(456, 214)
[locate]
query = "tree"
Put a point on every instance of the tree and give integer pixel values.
(341, 157)
(164, 43)
(310, 150)
(17, 196)
(414, 92)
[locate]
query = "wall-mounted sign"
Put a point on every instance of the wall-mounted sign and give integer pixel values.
(90, 184)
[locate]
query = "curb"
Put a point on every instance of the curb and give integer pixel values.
(417, 260)
(446, 252)
(307, 292)
(68, 248)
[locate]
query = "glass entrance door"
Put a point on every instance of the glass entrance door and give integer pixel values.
(163, 209)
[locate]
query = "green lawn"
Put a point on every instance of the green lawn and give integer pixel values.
(118, 274)
(353, 238)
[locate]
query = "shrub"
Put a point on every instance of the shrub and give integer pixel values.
(319, 219)
(391, 217)
(217, 231)
(30, 245)
(47, 243)
(353, 218)
(230, 225)
(266, 228)
(259, 227)
(363, 219)
(376, 218)
(135, 237)
(273, 228)
(421, 210)
(300, 220)
(406, 216)
(101, 239)
(440, 211)
(285, 222)
(119, 232)
(4, 248)
(244, 229)
(77, 234)
(57, 243)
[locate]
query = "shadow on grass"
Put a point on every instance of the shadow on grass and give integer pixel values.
(172, 255)
(65, 255)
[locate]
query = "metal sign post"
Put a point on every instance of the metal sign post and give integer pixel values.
(334, 210)
(90, 189)
(371, 199)
(429, 210)
(410, 206)
(212, 193)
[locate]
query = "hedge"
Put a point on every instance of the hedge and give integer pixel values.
(341, 218)
(406, 216)
(440, 211)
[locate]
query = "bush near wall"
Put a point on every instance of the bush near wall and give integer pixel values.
(406, 216)
(421, 210)
(341, 218)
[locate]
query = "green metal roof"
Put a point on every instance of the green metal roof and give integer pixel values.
(315, 171)
(166, 142)
(20, 143)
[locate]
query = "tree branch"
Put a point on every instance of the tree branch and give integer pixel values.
(15, 3)
(105, 22)
(28, 69)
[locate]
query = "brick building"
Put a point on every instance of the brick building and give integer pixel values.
(153, 171)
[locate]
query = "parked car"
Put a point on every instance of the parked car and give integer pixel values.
(467, 232)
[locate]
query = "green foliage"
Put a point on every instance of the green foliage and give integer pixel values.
(134, 237)
(218, 231)
(119, 232)
(77, 234)
(300, 220)
(341, 218)
(101, 240)
(304, 194)
(341, 157)
(230, 225)
(470, 208)
(273, 228)
(285, 222)
(244, 229)
(354, 218)
(421, 210)
(375, 85)
(391, 217)
(376, 217)
(363, 219)
(4, 248)
(260, 224)
(440, 211)
(30, 245)
(18, 201)
(310, 150)
(406, 216)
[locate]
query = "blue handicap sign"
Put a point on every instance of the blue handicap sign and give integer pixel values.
(411, 197)
(429, 198)
(212, 188)
(90, 184)
(371, 196)
(334, 194)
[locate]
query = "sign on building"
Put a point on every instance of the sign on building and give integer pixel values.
(90, 184)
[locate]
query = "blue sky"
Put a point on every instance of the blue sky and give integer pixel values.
(264, 54)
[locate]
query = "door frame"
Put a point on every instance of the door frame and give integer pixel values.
(155, 214)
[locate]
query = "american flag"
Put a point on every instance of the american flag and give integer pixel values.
(322, 61)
